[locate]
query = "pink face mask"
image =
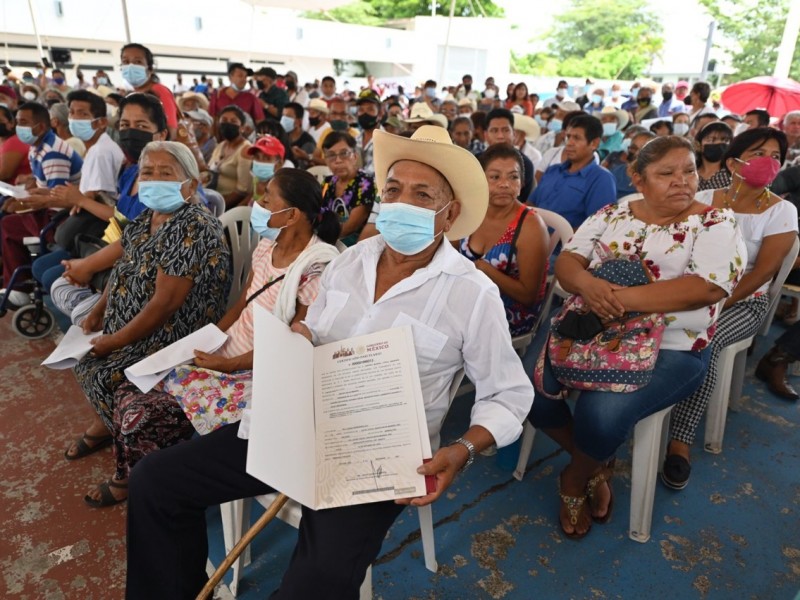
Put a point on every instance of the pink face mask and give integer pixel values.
(759, 171)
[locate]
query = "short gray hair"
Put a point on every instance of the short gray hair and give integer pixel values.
(60, 113)
(791, 114)
(182, 155)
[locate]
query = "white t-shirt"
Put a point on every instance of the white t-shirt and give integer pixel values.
(101, 167)
(781, 217)
(316, 132)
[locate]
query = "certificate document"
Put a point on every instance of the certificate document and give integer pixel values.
(339, 424)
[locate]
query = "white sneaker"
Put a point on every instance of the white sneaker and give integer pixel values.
(17, 298)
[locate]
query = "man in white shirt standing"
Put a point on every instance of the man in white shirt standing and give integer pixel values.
(408, 275)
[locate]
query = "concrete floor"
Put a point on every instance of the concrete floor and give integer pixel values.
(734, 532)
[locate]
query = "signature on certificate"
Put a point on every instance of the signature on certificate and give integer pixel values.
(377, 473)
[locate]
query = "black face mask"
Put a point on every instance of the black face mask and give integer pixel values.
(687, 101)
(133, 141)
(339, 125)
(229, 131)
(260, 84)
(714, 152)
(5, 131)
(313, 121)
(51, 102)
(667, 96)
(643, 102)
(367, 122)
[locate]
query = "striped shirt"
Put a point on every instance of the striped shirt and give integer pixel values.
(54, 162)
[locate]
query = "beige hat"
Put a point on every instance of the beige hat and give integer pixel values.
(529, 126)
(201, 100)
(467, 102)
(623, 117)
(568, 106)
(422, 113)
(319, 105)
(432, 146)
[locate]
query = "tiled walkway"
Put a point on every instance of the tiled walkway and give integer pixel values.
(733, 533)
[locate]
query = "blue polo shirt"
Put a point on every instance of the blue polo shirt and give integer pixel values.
(54, 162)
(575, 196)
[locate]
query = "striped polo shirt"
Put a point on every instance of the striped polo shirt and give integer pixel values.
(54, 162)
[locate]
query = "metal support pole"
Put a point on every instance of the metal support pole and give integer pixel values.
(788, 41)
(36, 32)
(125, 21)
(447, 42)
(707, 54)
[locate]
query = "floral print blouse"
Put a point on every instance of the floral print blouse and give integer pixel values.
(708, 245)
(359, 192)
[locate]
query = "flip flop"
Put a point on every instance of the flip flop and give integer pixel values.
(106, 497)
(84, 449)
(604, 476)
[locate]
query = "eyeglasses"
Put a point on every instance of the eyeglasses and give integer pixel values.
(343, 155)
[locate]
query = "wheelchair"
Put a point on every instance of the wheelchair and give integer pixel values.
(32, 321)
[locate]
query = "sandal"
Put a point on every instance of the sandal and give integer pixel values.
(106, 497)
(84, 449)
(603, 476)
(574, 505)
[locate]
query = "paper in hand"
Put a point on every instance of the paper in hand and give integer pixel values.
(71, 350)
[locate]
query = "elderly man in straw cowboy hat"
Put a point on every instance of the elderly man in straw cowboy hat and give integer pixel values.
(432, 191)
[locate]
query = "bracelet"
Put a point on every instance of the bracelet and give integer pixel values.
(470, 448)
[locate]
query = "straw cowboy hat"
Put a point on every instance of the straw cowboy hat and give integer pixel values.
(529, 126)
(431, 145)
(201, 100)
(422, 113)
(623, 118)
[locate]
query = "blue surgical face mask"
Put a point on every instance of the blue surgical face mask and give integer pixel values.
(259, 221)
(81, 129)
(586, 88)
(609, 129)
(102, 80)
(162, 196)
(287, 123)
(430, 92)
(136, 75)
(626, 144)
(596, 98)
(25, 135)
(555, 125)
(263, 170)
(540, 121)
(407, 229)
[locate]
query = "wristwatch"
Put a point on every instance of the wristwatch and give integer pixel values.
(470, 448)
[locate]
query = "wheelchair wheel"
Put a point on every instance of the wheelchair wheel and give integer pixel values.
(33, 321)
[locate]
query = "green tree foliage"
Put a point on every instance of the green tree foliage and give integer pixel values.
(377, 12)
(755, 27)
(607, 39)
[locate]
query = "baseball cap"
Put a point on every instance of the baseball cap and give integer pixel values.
(8, 91)
(368, 96)
(269, 145)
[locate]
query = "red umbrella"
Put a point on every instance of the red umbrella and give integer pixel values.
(775, 94)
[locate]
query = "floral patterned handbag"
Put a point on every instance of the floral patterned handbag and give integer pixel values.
(622, 356)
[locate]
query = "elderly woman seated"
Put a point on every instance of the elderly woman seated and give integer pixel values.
(171, 280)
(511, 245)
(284, 279)
(696, 255)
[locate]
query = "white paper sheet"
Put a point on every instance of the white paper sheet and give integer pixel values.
(71, 349)
(15, 191)
(149, 371)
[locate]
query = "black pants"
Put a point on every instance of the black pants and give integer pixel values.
(167, 544)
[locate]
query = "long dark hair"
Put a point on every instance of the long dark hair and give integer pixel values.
(301, 190)
(751, 137)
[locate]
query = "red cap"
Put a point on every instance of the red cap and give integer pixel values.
(8, 91)
(682, 84)
(269, 145)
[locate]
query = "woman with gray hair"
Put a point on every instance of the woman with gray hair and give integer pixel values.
(172, 279)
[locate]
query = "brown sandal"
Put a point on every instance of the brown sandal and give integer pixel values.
(574, 505)
(603, 476)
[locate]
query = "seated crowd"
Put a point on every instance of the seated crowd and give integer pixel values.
(372, 209)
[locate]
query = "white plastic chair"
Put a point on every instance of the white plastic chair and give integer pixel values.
(242, 241)
(649, 446)
(216, 203)
(320, 172)
(732, 360)
(236, 521)
(562, 232)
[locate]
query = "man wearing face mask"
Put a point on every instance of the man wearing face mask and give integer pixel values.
(631, 103)
(271, 97)
(630, 147)
(338, 120)
(433, 192)
(644, 102)
(614, 121)
(369, 113)
(562, 95)
(465, 90)
(669, 103)
(236, 94)
(429, 96)
(303, 144)
(53, 163)
(59, 121)
(202, 124)
(318, 118)
(554, 126)
(296, 93)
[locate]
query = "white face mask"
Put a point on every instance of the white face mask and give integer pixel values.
(740, 128)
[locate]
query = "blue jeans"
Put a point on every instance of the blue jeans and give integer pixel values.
(603, 421)
(47, 268)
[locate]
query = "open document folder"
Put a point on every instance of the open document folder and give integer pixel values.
(338, 424)
(149, 371)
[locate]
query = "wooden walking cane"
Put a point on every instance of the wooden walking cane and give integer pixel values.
(273, 510)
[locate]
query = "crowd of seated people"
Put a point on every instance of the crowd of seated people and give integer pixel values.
(422, 192)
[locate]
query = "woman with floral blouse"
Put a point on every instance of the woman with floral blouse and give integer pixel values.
(696, 255)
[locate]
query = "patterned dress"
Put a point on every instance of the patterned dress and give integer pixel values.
(189, 244)
(521, 317)
(359, 192)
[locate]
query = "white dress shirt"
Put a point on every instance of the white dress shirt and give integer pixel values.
(457, 318)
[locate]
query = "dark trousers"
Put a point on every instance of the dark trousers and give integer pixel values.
(167, 544)
(789, 341)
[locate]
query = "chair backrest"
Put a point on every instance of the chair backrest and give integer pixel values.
(242, 241)
(561, 229)
(216, 203)
(320, 172)
(777, 284)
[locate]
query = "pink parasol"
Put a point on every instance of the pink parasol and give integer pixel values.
(775, 94)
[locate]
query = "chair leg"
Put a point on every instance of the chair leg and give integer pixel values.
(647, 449)
(365, 593)
(426, 531)
(528, 435)
(235, 521)
(730, 377)
(737, 381)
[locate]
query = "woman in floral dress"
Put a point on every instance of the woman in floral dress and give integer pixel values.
(696, 255)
